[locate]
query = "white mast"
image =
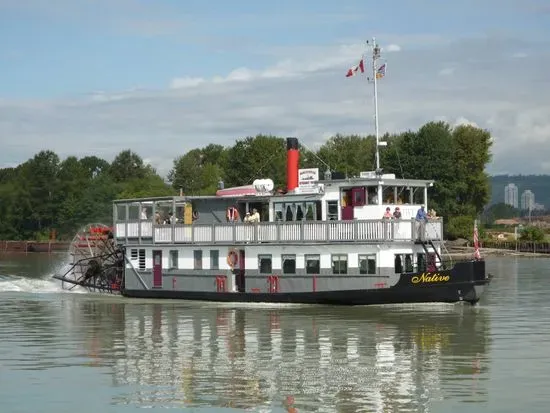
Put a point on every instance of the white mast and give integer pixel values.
(375, 57)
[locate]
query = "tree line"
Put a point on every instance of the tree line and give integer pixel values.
(47, 193)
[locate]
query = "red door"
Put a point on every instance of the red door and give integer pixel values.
(157, 269)
(347, 212)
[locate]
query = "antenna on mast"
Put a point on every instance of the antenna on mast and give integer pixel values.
(376, 72)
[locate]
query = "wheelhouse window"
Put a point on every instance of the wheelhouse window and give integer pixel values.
(289, 264)
(313, 263)
(264, 264)
(340, 264)
(173, 259)
(367, 264)
(214, 259)
(197, 259)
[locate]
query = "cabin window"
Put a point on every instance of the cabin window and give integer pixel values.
(367, 264)
(133, 212)
(289, 264)
(278, 211)
(403, 263)
(332, 210)
(146, 212)
(121, 212)
(340, 264)
(133, 254)
(289, 212)
(141, 259)
(421, 262)
(214, 259)
(197, 259)
(264, 264)
(173, 259)
(313, 264)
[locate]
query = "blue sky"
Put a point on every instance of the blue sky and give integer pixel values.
(110, 74)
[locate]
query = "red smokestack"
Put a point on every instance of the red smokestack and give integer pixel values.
(292, 158)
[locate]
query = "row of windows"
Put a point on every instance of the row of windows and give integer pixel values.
(339, 264)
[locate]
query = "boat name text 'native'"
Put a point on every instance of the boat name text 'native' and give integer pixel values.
(427, 277)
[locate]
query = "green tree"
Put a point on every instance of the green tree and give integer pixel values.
(256, 157)
(471, 153)
(347, 154)
(532, 234)
(127, 165)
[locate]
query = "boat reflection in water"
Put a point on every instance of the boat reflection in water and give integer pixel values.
(298, 358)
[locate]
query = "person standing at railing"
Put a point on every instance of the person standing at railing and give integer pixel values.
(397, 213)
(255, 217)
(421, 219)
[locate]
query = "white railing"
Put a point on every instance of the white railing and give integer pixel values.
(279, 232)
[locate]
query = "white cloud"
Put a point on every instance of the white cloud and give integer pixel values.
(181, 82)
(306, 95)
(392, 48)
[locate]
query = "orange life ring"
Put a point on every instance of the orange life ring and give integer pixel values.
(232, 258)
(232, 214)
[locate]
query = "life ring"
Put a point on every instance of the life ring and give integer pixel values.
(232, 214)
(195, 215)
(232, 258)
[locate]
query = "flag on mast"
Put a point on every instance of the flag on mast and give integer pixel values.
(381, 72)
(353, 70)
(477, 255)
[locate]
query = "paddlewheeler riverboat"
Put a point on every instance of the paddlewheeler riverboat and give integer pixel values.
(325, 240)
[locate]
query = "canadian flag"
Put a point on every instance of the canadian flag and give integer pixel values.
(352, 71)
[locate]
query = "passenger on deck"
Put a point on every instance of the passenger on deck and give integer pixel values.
(255, 217)
(143, 213)
(158, 219)
(397, 213)
(247, 217)
(387, 214)
(421, 219)
(172, 219)
(373, 199)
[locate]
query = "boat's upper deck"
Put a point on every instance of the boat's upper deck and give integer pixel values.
(325, 211)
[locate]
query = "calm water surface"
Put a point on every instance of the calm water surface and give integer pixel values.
(77, 352)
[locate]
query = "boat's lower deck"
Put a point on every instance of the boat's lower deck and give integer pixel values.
(464, 282)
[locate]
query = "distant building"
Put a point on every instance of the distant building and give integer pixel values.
(527, 200)
(511, 195)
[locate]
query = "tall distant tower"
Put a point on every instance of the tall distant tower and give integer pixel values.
(527, 200)
(511, 195)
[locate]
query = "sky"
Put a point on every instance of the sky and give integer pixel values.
(162, 77)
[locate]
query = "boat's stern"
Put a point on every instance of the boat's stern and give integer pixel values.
(474, 274)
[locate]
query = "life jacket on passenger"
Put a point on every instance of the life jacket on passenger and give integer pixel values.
(232, 214)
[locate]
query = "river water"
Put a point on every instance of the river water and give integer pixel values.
(78, 352)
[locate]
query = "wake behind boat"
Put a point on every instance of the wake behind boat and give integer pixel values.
(337, 240)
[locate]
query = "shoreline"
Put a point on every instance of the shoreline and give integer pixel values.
(468, 252)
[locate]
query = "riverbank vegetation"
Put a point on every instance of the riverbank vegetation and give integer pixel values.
(47, 193)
